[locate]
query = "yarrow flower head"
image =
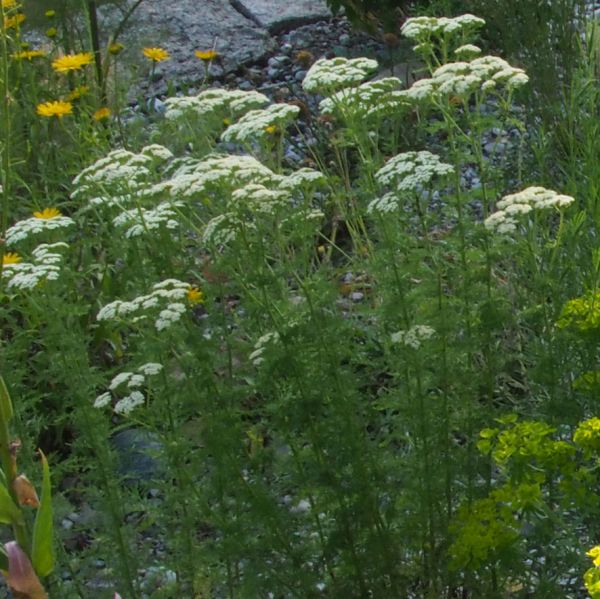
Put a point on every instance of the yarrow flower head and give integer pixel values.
(505, 220)
(408, 172)
(156, 54)
(72, 62)
(57, 108)
(254, 124)
(414, 336)
(49, 220)
(45, 266)
(164, 304)
(426, 29)
(326, 76)
(128, 383)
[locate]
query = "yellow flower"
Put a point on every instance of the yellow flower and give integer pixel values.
(57, 108)
(47, 213)
(51, 32)
(72, 62)
(156, 54)
(206, 55)
(80, 90)
(594, 553)
(271, 129)
(101, 114)
(14, 21)
(8, 4)
(50, 13)
(115, 48)
(10, 258)
(27, 54)
(195, 296)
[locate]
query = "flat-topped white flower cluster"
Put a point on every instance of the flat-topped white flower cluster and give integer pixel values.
(166, 298)
(414, 336)
(258, 124)
(132, 381)
(32, 226)
(407, 173)
(422, 29)
(215, 103)
(523, 202)
(45, 266)
(141, 220)
(327, 76)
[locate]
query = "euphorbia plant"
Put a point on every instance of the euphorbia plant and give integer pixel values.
(30, 555)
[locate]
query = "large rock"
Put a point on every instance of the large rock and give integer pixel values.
(185, 26)
(277, 15)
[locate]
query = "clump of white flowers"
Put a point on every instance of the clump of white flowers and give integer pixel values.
(131, 381)
(257, 124)
(215, 104)
(259, 198)
(371, 99)
(462, 78)
(406, 173)
(414, 336)
(45, 266)
(216, 173)
(326, 76)
(35, 225)
(423, 29)
(165, 303)
(222, 229)
(142, 220)
(261, 345)
(515, 204)
(467, 51)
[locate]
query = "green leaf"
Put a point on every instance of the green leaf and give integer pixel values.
(42, 550)
(6, 410)
(3, 559)
(9, 511)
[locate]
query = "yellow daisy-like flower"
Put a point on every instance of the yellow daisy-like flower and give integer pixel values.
(156, 54)
(195, 296)
(14, 21)
(101, 113)
(27, 54)
(58, 108)
(47, 213)
(80, 90)
(8, 4)
(115, 48)
(72, 62)
(206, 55)
(51, 32)
(10, 258)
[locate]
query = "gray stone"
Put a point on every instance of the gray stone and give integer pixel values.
(345, 39)
(278, 15)
(299, 76)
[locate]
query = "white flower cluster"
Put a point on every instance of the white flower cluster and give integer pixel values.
(407, 172)
(302, 178)
(256, 123)
(515, 204)
(142, 220)
(462, 78)
(215, 173)
(133, 381)
(422, 29)
(215, 103)
(45, 267)
(157, 152)
(256, 357)
(260, 199)
(222, 229)
(467, 51)
(34, 226)
(327, 76)
(119, 167)
(374, 98)
(414, 337)
(166, 297)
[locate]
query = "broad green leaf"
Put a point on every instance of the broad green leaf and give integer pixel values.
(42, 549)
(6, 410)
(9, 512)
